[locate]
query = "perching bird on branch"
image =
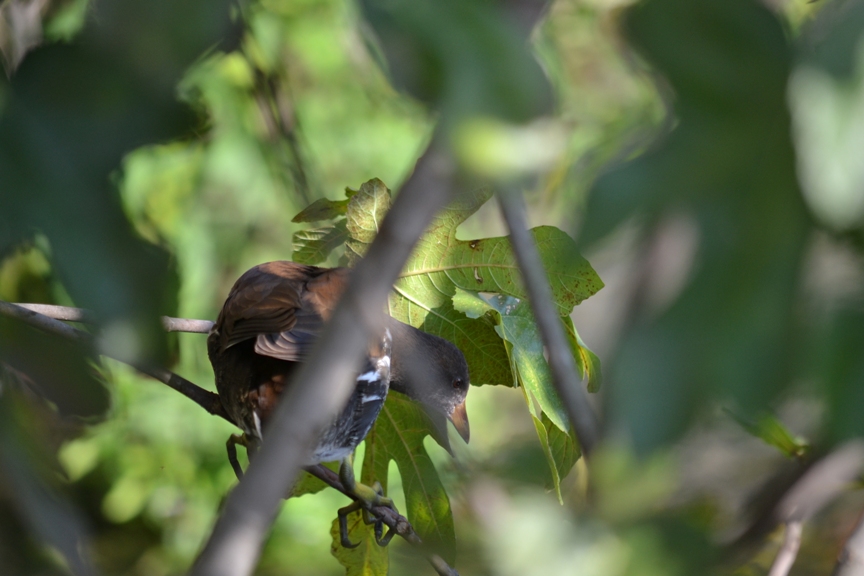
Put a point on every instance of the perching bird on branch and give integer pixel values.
(267, 326)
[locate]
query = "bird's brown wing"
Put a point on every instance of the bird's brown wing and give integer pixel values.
(282, 305)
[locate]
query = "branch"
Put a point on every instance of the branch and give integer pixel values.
(45, 317)
(70, 314)
(789, 551)
(204, 398)
(561, 363)
(324, 382)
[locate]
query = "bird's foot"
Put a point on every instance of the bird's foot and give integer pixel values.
(366, 498)
(251, 445)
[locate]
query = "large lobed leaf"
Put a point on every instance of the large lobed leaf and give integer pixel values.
(440, 291)
(398, 435)
(441, 264)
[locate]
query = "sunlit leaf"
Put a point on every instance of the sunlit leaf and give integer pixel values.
(313, 246)
(515, 324)
(366, 210)
(322, 209)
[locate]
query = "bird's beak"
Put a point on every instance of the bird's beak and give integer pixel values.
(459, 417)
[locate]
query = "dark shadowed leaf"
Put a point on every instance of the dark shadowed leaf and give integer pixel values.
(398, 435)
(61, 371)
(730, 166)
(71, 112)
(460, 56)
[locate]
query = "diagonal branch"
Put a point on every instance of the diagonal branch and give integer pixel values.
(324, 382)
(561, 362)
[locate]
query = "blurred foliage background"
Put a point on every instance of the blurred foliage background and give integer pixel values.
(712, 171)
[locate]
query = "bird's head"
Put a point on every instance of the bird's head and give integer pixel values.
(433, 372)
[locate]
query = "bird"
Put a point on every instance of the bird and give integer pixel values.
(266, 328)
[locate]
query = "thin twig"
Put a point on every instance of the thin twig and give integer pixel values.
(84, 316)
(204, 398)
(324, 382)
(561, 362)
(789, 551)
(45, 317)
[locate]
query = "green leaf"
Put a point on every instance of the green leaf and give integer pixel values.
(94, 101)
(398, 435)
(563, 446)
(482, 65)
(476, 338)
(368, 558)
(774, 433)
(560, 448)
(441, 264)
(586, 361)
(313, 246)
(366, 210)
(66, 377)
(515, 324)
(733, 330)
(322, 209)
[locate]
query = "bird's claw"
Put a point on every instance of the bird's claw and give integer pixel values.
(251, 445)
(367, 498)
(343, 523)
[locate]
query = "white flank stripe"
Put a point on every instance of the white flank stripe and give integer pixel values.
(257, 424)
(370, 376)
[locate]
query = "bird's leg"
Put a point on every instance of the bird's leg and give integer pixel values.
(380, 538)
(367, 498)
(370, 496)
(342, 513)
(251, 445)
(231, 446)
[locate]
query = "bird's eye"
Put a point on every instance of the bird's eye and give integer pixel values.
(457, 383)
